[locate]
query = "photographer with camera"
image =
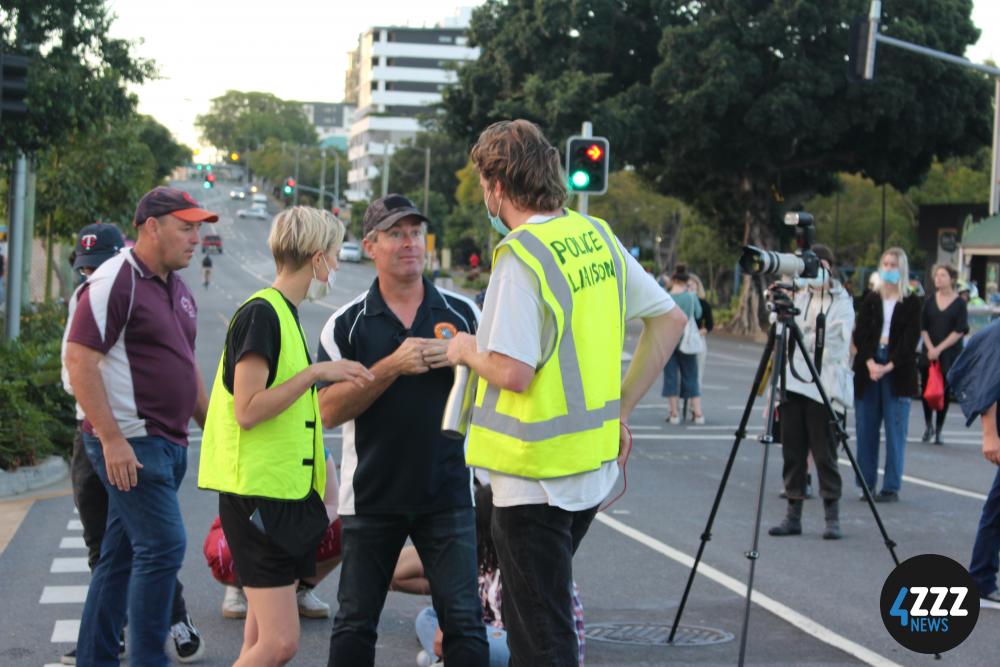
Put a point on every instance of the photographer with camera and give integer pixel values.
(826, 318)
(885, 372)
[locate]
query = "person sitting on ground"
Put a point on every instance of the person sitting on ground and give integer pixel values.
(409, 578)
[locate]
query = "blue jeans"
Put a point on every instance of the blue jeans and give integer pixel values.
(141, 553)
(878, 405)
(427, 626)
(687, 366)
(986, 551)
(446, 543)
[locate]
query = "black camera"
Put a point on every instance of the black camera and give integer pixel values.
(803, 262)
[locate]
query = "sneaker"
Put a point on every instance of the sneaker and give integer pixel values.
(674, 419)
(187, 641)
(311, 606)
(990, 601)
(425, 659)
(234, 605)
(887, 497)
(699, 420)
(69, 658)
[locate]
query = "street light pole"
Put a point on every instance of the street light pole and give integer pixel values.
(295, 190)
(427, 178)
(995, 172)
(16, 248)
(322, 179)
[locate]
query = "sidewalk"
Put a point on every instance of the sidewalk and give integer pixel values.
(13, 509)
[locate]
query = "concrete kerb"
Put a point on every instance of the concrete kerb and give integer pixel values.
(29, 478)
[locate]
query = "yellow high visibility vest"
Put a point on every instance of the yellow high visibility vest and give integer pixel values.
(281, 458)
(567, 420)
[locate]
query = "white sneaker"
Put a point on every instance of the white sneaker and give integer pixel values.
(699, 420)
(234, 605)
(425, 659)
(311, 606)
(675, 420)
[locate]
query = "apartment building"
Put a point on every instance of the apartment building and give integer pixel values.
(394, 75)
(332, 121)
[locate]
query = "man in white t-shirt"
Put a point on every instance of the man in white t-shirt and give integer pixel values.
(551, 467)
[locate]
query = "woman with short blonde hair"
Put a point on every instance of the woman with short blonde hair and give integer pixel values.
(262, 448)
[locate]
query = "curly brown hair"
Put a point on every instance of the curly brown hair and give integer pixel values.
(516, 154)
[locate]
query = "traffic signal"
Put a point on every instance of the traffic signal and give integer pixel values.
(209, 181)
(861, 49)
(13, 84)
(587, 164)
(289, 188)
(234, 157)
(199, 166)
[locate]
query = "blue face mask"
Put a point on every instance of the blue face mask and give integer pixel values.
(890, 276)
(495, 220)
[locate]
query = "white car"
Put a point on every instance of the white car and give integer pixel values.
(259, 198)
(257, 212)
(238, 193)
(350, 252)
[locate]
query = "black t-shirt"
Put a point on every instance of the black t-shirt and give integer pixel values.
(207, 262)
(255, 328)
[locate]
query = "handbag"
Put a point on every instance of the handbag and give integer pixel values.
(691, 341)
(934, 391)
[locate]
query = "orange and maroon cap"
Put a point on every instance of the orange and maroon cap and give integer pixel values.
(171, 201)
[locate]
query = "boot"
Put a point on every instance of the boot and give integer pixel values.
(928, 433)
(831, 510)
(792, 523)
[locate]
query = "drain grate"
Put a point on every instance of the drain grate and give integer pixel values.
(655, 634)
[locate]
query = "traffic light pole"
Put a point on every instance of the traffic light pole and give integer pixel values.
(583, 199)
(322, 178)
(15, 248)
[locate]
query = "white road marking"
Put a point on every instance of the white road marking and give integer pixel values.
(683, 436)
(72, 543)
(929, 484)
(66, 632)
(63, 594)
(789, 615)
(74, 524)
(60, 565)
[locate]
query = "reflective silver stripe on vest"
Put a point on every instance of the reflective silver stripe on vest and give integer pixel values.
(619, 266)
(577, 418)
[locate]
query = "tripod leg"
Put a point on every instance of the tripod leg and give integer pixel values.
(841, 435)
(739, 436)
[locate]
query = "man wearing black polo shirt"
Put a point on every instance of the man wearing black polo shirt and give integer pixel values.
(401, 477)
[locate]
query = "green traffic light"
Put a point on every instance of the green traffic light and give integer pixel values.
(579, 179)
(207, 185)
(200, 167)
(288, 190)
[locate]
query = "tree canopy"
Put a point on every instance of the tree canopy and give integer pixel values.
(239, 120)
(743, 109)
(77, 74)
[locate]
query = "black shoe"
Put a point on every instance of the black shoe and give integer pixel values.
(69, 658)
(187, 640)
(937, 438)
(928, 434)
(887, 497)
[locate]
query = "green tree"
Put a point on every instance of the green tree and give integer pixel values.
(78, 74)
(960, 180)
(240, 120)
(744, 111)
(167, 153)
(406, 171)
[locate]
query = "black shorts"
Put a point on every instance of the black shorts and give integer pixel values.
(259, 561)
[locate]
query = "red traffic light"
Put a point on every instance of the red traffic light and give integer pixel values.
(594, 152)
(210, 178)
(290, 182)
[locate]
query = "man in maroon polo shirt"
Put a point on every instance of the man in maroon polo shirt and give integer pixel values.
(131, 360)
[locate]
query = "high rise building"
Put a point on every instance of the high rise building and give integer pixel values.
(332, 121)
(394, 75)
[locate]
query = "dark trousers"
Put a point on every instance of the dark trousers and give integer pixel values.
(986, 551)
(535, 544)
(805, 428)
(446, 544)
(91, 501)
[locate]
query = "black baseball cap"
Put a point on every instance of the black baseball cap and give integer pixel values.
(96, 244)
(171, 201)
(386, 211)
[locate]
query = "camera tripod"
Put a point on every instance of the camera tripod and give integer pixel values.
(775, 351)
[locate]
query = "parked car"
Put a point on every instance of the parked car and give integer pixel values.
(260, 198)
(211, 242)
(238, 193)
(350, 251)
(256, 212)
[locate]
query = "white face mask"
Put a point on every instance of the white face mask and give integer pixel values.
(318, 288)
(822, 276)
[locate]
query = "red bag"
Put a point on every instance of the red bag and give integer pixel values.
(934, 391)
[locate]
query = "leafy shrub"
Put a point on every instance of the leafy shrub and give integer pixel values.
(37, 416)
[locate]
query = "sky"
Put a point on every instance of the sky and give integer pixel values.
(296, 49)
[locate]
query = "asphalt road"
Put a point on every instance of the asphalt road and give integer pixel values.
(815, 602)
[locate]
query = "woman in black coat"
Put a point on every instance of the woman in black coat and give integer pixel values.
(943, 325)
(885, 372)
